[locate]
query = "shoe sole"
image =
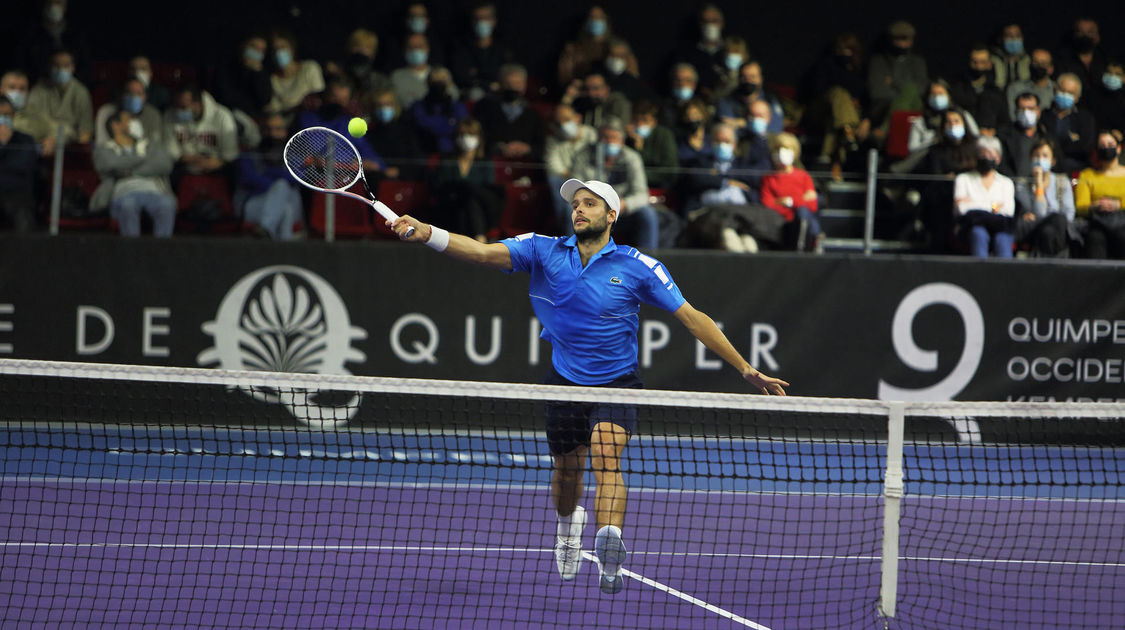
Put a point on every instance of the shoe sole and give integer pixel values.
(582, 526)
(611, 552)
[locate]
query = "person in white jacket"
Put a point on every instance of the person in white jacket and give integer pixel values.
(985, 202)
(199, 133)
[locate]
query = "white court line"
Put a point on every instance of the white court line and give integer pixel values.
(530, 487)
(726, 614)
(532, 550)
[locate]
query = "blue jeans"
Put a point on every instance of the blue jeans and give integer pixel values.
(126, 210)
(275, 210)
(986, 228)
(812, 224)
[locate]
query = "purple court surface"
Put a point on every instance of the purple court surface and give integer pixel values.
(174, 540)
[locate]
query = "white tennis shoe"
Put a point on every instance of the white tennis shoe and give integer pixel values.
(568, 549)
(611, 554)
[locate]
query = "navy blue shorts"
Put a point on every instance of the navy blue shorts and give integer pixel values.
(569, 424)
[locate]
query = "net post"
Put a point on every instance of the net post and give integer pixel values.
(893, 486)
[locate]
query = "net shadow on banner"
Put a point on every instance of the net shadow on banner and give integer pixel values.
(181, 496)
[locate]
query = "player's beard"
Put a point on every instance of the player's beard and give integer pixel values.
(592, 231)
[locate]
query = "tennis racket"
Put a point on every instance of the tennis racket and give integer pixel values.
(324, 160)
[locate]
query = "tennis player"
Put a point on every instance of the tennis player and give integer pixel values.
(586, 292)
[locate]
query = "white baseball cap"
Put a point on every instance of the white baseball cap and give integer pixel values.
(601, 189)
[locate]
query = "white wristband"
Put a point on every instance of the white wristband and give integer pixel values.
(439, 239)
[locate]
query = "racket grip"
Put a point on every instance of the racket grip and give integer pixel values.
(389, 215)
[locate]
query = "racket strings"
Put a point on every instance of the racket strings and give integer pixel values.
(322, 159)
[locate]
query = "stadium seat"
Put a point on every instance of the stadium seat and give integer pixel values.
(174, 74)
(353, 218)
(404, 197)
(87, 182)
(898, 135)
(526, 209)
(195, 190)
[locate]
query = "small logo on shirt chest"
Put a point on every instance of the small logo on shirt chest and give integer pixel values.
(615, 280)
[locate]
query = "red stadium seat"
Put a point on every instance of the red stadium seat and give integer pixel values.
(197, 189)
(898, 135)
(353, 218)
(404, 197)
(87, 182)
(526, 209)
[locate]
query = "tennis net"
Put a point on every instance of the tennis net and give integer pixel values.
(140, 496)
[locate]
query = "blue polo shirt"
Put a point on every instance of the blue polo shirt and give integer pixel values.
(591, 315)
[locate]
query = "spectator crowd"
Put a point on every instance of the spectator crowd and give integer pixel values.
(1021, 150)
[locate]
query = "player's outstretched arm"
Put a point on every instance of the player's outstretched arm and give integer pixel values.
(458, 246)
(706, 331)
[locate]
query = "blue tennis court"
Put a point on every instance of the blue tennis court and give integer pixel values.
(187, 527)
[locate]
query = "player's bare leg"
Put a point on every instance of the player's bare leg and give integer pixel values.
(566, 490)
(607, 442)
(566, 481)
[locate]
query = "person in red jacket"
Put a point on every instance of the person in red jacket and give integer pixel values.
(789, 191)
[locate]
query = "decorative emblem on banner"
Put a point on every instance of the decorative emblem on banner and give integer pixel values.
(287, 319)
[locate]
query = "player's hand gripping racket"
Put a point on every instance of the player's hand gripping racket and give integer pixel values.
(325, 161)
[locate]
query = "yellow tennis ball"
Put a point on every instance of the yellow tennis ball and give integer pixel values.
(357, 127)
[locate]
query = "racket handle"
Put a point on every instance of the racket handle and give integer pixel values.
(389, 215)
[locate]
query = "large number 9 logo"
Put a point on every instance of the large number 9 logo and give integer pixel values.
(927, 360)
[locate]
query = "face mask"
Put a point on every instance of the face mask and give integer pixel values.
(254, 55)
(1038, 73)
(786, 156)
(468, 144)
(284, 57)
(611, 149)
(734, 61)
(711, 32)
(569, 128)
(132, 103)
(985, 165)
(615, 65)
(136, 129)
(724, 152)
(1013, 46)
(145, 76)
(416, 57)
(976, 73)
(955, 132)
(1042, 163)
(483, 29)
(62, 76)
(940, 102)
(1028, 118)
(684, 93)
(55, 13)
(385, 114)
(1112, 82)
(596, 27)
(759, 126)
(6, 121)
(416, 24)
(1064, 100)
(184, 115)
(510, 95)
(644, 131)
(1106, 154)
(18, 98)
(1084, 43)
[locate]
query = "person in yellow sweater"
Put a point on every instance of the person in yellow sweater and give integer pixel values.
(1100, 195)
